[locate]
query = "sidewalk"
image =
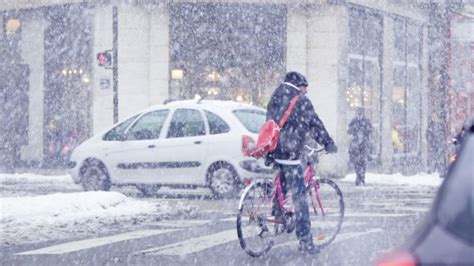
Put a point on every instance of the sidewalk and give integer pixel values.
(38, 171)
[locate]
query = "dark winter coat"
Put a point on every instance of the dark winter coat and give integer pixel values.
(303, 122)
(360, 130)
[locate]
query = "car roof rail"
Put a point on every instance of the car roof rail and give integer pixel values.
(199, 98)
(168, 101)
(173, 100)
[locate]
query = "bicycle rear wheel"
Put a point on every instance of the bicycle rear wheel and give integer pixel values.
(256, 227)
(326, 210)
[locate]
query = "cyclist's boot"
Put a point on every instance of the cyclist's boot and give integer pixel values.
(308, 247)
(358, 181)
(290, 222)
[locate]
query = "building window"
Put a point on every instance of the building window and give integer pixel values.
(364, 67)
(406, 91)
(228, 51)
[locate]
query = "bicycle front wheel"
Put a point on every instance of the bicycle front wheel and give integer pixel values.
(326, 210)
(256, 227)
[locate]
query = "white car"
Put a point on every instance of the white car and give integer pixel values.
(182, 143)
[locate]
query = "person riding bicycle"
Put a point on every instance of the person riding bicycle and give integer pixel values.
(303, 122)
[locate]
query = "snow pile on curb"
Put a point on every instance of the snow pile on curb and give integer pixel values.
(70, 206)
(14, 185)
(421, 179)
(34, 178)
(80, 214)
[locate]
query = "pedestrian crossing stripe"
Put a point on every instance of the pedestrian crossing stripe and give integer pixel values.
(95, 242)
(180, 248)
(339, 238)
(192, 245)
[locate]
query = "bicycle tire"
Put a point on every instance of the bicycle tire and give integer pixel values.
(325, 225)
(256, 233)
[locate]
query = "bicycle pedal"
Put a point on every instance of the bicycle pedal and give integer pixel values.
(321, 237)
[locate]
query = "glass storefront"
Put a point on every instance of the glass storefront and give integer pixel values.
(406, 90)
(461, 72)
(364, 67)
(227, 51)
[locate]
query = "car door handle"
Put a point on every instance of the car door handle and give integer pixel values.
(197, 142)
(151, 146)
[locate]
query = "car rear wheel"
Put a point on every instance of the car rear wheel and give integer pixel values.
(222, 179)
(94, 176)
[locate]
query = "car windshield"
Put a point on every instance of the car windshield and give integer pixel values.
(117, 132)
(251, 119)
(456, 203)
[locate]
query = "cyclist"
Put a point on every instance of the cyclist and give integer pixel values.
(303, 122)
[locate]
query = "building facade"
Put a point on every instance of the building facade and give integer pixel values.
(370, 54)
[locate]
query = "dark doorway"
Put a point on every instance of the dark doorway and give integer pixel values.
(68, 68)
(13, 113)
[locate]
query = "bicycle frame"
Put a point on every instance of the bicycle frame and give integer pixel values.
(277, 191)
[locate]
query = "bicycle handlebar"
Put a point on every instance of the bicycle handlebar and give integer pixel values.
(313, 150)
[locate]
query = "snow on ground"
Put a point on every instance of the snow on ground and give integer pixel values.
(35, 218)
(421, 179)
(28, 184)
(36, 208)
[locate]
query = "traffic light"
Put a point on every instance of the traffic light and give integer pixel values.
(104, 59)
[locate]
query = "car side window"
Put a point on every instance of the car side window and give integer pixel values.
(117, 133)
(186, 123)
(148, 126)
(216, 124)
(251, 119)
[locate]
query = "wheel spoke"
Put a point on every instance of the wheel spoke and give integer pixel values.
(327, 213)
(255, 231)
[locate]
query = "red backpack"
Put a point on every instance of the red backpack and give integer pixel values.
(269, 133)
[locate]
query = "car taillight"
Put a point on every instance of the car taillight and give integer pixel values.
(247, 145)
(397, 258)
(452, 158)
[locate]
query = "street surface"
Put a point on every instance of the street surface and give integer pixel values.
(377, 218)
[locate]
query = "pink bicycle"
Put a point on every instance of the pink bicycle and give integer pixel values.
(257, 226)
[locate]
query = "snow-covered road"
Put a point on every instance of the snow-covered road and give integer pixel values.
(37, 208)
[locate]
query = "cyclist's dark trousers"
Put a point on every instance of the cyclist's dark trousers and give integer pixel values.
(293, 180)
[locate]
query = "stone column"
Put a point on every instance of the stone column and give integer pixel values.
(326, 42)
(296, 34)
(387, 86)
(102, 92)
(159, 60)
(32, 53)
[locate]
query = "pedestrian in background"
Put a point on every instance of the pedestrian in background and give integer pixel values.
(434, 137)
(360, 146)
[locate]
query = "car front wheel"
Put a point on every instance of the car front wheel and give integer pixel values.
(94, 176)
(223, 180)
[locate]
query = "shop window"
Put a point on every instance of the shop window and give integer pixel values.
(406, 91)
(227, 51)
(364, 67)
